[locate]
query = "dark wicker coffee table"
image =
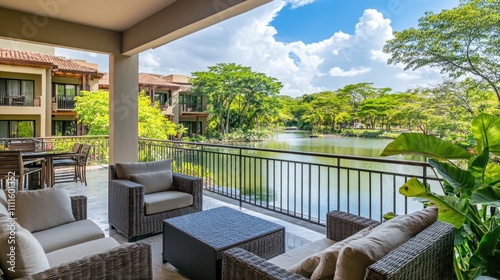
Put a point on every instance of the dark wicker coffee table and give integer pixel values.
(194, 243)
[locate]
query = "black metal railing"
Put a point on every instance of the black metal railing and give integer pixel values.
(303, 185)
(18, 100)
(192, 107)
(299, 184)
(65, 103)
(98, 153)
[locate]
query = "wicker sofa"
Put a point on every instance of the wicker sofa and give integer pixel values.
(127, 200)
(428, 255)
(73, 250)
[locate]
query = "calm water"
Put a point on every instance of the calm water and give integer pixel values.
(369, 147)
(308, 188)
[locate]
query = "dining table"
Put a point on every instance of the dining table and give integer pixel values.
(48, 156)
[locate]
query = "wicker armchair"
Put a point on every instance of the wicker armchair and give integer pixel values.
(126, 211)
(127, 261)
(428, 255)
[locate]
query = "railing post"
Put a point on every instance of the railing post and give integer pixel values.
(241, 178)
(203, 163)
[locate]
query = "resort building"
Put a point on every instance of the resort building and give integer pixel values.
(173, 93)
(37, 92)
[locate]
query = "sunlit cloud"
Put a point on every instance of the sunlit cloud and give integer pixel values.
(337, 72)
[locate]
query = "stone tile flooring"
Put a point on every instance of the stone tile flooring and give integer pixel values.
(298, 233)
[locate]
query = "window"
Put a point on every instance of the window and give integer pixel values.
(64, 95)
(64, 128)
(17, 129)
(163, 98)
(193, 128)
(13, 88)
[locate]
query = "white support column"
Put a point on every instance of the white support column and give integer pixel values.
(123, 108)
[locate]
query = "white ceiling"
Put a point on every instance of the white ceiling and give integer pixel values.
(116, 15)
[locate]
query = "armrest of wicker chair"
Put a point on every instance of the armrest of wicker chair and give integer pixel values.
(125, 204)
(240, 264)
(191, 185)
(428, 255)
(79, 207)
(128, 261)
(340, 225)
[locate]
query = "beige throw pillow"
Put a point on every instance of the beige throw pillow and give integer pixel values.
(4, 211)
(21, 253)
(323, 263)
(126, 169)
(42, 209)
(356, 256)
(328, 261)
(3, 198)
(157, 181)
(307, 266)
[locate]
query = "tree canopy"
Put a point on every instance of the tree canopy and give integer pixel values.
(92, 109)
(238, 98)
(460, 41)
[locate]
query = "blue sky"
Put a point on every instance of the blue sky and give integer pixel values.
(309, 45)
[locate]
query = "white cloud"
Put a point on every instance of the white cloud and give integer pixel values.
(337, 72)
(379, 55)
(299, 3)
(328, 64)
(149, 63)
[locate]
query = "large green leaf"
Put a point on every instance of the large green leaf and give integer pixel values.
(456, 177)
(487, 254)
(478, 166)
(429, 146)
(449, 206)
(488, 195)
(486, 129)
(492, 173)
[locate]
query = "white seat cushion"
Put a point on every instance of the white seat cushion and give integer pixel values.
(292, 257)
(68, 235)
(166, 201)
(81, 250)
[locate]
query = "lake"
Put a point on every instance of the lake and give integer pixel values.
(300, 141)
(309, 186)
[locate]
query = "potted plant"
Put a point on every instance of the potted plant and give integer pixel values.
(470, 198)
(180, 129)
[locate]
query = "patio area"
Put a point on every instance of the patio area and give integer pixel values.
(297, 232)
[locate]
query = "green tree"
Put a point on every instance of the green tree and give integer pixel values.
(238, 98)
(460, 41)
(92, 109)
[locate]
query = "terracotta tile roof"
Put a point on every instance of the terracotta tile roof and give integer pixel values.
(104, 81)
(33, 58)
(144, 80)
(149, 79)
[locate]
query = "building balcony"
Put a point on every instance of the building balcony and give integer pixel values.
(65, 103)
(19, 100)
(192, 108)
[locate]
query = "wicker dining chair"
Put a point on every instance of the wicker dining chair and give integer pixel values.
(23, 146)
(13, 167)
(78, 162)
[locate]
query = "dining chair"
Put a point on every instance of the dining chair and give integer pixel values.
(23, 146)
(13, 167)
(18, 100)
(78, 162)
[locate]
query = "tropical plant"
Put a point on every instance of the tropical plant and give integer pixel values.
(471, 192)
(462, 41)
